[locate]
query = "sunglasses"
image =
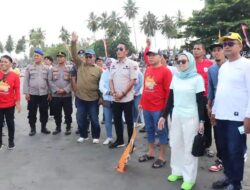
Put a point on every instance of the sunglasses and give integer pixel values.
(88, 56)
(181, 62)
(229, 43)
(119, 49)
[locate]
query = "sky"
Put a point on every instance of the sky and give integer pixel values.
(18, 17)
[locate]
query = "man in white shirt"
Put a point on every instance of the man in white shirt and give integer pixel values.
(232, 111)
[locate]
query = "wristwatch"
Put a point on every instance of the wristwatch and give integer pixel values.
(202, 121)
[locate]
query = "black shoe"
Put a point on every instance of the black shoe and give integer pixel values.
(67, 132)
(45, 131)
(56, 132)
(220, 184)
(32, 132)
(142, 130)
(116, 145)
(11, 146)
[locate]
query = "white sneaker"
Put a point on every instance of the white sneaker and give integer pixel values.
(81, 140)
(107, 141)
(96, 141)
(245, 157)
(1, 147)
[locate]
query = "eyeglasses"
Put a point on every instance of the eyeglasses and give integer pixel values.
(229, 43)
(119, 49)
(88, 56)
(181, 62)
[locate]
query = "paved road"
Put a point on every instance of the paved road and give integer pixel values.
(59, 163)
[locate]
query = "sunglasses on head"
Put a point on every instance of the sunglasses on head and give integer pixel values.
(229, 43)
(181, 62)
(119, 49)
(88, 56)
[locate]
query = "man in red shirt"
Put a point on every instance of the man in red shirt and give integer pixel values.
(202, 66)
(155, 93)
(148, 42)
(9, 98)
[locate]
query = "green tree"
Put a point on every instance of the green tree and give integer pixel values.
(64, 35)
(54, 49)
(168, 27)
(21, 45)
(1, 47)
(131, 11)
(9, 46)
(217, 15)
(149, 24)
(93, 22)
(36, 39)
(114, 25)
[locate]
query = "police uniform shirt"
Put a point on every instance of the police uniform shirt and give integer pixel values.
(121, 74)
(59, 78)
(36, 80)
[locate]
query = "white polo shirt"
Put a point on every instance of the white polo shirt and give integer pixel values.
(232, 99)
(122, 73)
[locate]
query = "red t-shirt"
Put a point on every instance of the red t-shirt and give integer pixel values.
(9, 90)
(146, 57)
(156, 88)
(202, 68)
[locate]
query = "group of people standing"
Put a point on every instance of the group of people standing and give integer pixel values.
(201, 94)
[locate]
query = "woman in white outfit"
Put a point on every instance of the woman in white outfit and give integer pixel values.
(186, 94)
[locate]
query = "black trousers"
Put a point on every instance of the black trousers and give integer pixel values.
(118, 109)
(207, 126)
(62, 103)
(34, 103)
(8, 114)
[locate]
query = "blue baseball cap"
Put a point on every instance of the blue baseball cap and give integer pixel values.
(90, 51)
(39, 51)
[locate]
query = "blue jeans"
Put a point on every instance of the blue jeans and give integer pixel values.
(232, 145)
(135, 109)
(90, 108)
(108, 120)
(151, 122)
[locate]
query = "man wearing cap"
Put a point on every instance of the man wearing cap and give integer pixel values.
(219, 58)
(202, 66)
(37, 93)
(87, 92)
(60, 85)
(232, 111)
(122, 79)
(155, 94)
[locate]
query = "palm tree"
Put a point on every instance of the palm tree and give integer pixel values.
(37, 38)
(93, 22)
(168, 28)
(64, 36)
(131, 11)
(103, 24)
(149, 24)
(114, 25)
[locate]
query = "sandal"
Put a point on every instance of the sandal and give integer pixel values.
(145, 158)
(158, 163)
